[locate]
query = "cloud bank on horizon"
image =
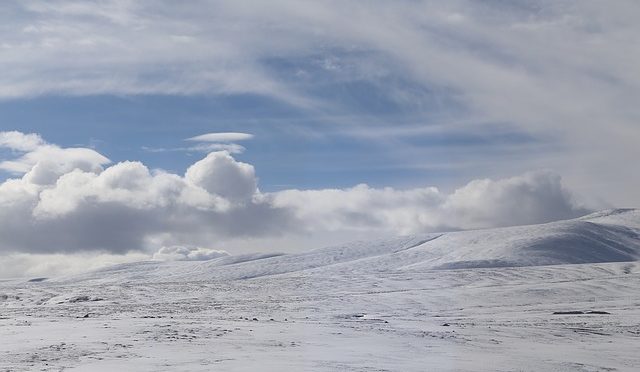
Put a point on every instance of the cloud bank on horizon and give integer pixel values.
(76, 202)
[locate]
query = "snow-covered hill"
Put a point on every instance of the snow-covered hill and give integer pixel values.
(551, 297)
(608, 236)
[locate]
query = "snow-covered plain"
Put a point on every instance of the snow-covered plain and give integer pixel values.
(462, 301)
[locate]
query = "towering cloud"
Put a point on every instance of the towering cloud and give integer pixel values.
(222, 175)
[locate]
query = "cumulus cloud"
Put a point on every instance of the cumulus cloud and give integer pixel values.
(43, 163)
(534, 197)
(127, 207)
(220, 174)
(19, 141)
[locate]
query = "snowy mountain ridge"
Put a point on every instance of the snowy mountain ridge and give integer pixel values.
(606, 236)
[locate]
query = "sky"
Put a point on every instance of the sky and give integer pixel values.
(137, 130)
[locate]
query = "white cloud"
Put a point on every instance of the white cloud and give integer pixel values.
(534, 197)
(127, 208)
(223, 141)
(26, 265)
(19, 141)
(221, 137)
(528, 199)
(222, 175)
(181, 253)
(43, 163)
(232, 148)
(563, 68)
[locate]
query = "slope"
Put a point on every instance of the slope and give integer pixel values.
(608, 236)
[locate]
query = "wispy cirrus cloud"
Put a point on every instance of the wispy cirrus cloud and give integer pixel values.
(565, 70)
(232, 148)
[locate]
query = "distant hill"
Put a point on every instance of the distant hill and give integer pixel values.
(607, 236)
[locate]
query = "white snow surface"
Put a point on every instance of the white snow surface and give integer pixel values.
(458, 301)
(608, 236)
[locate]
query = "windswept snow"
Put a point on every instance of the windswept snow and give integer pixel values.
(459, 301)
